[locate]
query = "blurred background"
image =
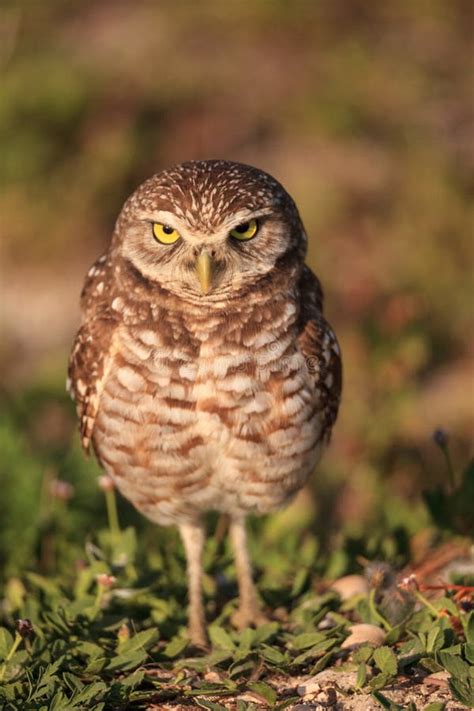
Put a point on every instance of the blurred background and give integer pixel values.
(363, 110)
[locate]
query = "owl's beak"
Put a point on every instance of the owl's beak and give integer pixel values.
(204, 271)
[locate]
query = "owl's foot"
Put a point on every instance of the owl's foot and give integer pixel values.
(198, 636)
(249, 616)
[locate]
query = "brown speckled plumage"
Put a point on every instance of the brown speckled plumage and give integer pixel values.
(196, 401)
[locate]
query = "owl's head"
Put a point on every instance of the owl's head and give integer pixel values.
(206, 229)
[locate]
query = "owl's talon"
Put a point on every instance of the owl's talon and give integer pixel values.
(246, 616)
(198, 638)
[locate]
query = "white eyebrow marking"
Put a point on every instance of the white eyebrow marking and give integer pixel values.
(237, 218)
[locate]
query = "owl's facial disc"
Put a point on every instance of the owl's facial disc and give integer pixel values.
(205, 260)
(210, 230)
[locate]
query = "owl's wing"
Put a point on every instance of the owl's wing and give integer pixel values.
(92, 349)
(321, 351)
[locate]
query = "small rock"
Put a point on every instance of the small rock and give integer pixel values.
(324, 682)
(360, 634)
(327, 697)
(351, 585)
(212, 677)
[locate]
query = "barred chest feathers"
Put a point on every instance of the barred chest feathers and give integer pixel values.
(209, 410)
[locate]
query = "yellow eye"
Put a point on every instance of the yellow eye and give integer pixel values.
(246, 230)
(164, 233)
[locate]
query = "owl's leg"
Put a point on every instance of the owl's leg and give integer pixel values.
(192, 535)
(249, 612)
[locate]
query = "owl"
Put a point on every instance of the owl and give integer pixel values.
(204, 373)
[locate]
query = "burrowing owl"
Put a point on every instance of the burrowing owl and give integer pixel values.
(205, 375)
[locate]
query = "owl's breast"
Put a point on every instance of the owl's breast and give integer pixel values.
(259, 413)
(216, 425)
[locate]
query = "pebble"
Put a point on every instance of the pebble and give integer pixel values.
(315, 687)
(351, 585)
(360, 634)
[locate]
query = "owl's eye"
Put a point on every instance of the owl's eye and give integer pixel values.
(164, 233)
(245, 231)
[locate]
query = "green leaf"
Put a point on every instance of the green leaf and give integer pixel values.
(130, 660)
(456, 650)
(10, 692)
(47, 585)
(247, 639)
(463, 690)
(435, 639)
(361, 676)
(385, 659)
(59, 702)
(307, 639)
(363, 654)
(93, 692)
(202, 663)
(430, 664)
(263, 690)
(240, 668)
(95, 665)
(125, 547)
(385, 702)
(175, 647)
(220, 638)
(469, 652)
(57, 622)
(134, 679)
(47, 681)
(73, 682)
(469, 628)
(380, 681)
(89, 649)
(212, 705)
(299, 583)
(315, 651)
(272, 654)
(141, 640)
(265, 632)
(6, 642)
(454, 665)
(321, 663)
(435, 706)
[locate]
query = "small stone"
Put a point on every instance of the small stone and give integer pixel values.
(321, 688)
(364, 633)
(212, 677)
(327, 623)
(350, 585)
(326, 697)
